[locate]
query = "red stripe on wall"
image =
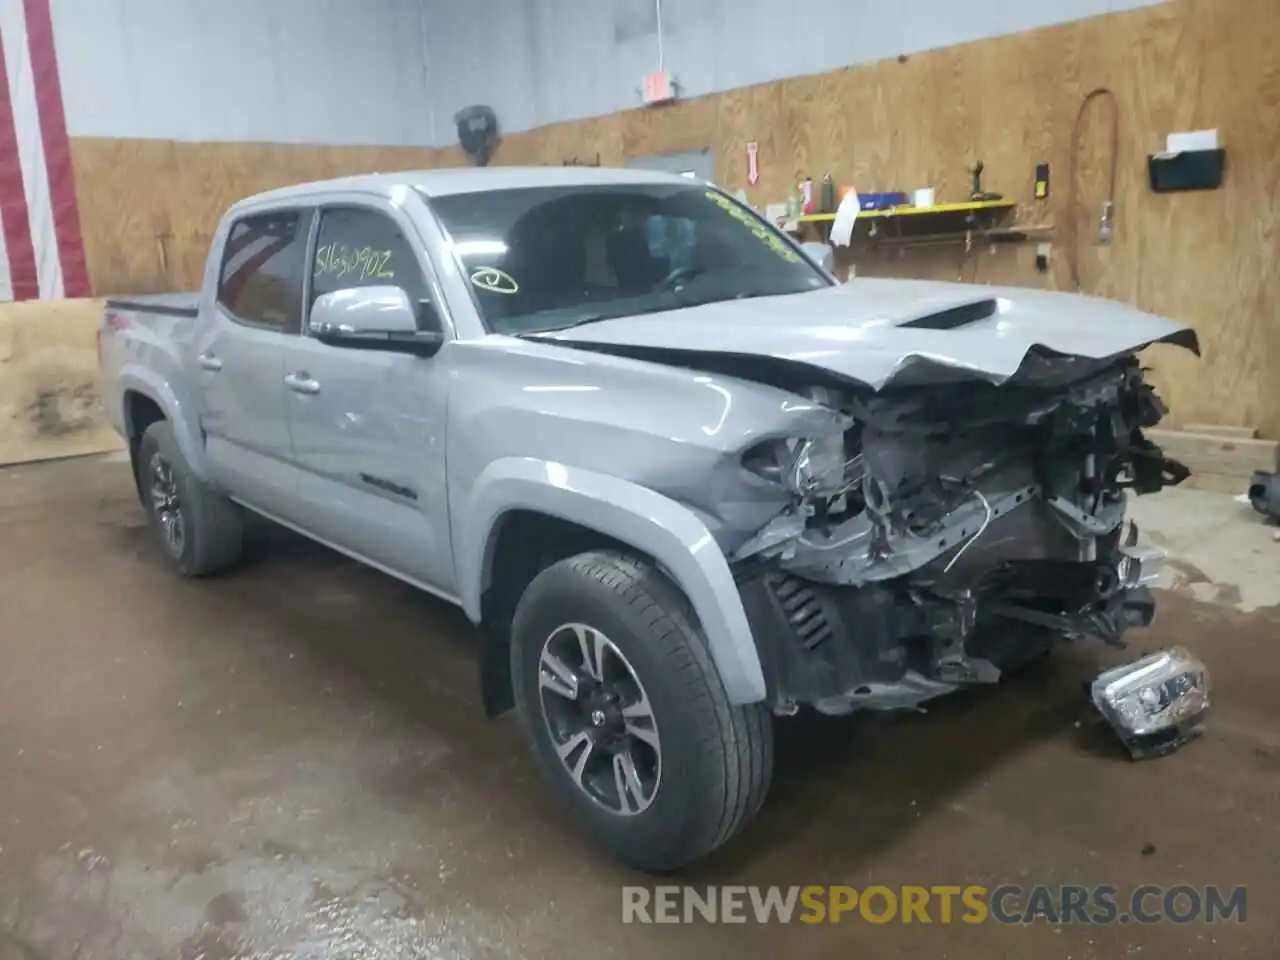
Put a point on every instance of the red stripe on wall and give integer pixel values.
(13, 200)
(57, 148)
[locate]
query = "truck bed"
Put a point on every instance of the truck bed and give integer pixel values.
(141, 343)
(179, 304)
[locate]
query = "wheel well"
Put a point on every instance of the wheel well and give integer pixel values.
(140, 412)
(524, 544)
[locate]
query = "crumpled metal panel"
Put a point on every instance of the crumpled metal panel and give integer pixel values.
(869, 331)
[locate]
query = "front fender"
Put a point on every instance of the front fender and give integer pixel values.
(178, 410)
(656, 525)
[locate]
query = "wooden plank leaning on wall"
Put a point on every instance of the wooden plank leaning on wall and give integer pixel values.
(49, 400)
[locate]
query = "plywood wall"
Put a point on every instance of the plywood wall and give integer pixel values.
(148, 207)
(1212, 259)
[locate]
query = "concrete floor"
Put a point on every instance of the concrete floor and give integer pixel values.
(292, 762)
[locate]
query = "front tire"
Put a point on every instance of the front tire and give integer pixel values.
(201, 531)
(627, 714)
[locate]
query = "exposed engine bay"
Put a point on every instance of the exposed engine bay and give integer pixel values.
(951, 533)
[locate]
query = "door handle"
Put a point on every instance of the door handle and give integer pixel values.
(209, 362)
(301, 383)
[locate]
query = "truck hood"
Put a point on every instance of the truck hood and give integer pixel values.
(885, 332)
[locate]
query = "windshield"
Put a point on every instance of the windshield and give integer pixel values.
(546, 258)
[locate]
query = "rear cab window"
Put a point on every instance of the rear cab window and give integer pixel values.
(263, 262)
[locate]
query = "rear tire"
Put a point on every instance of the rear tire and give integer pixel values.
(703, 767)
(202, 532)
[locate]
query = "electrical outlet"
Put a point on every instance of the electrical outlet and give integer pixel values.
(1105, 230)
(1042, 257)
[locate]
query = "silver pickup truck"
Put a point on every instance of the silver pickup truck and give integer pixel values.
(679, 477)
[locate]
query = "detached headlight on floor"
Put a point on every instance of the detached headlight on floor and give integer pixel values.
(1155, 703)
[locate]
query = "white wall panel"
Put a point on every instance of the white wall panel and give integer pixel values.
(344, 72)
(292, 71)
(543, 61)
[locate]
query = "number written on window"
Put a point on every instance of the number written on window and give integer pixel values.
(758, 230)
(364, 263)
(363, 248)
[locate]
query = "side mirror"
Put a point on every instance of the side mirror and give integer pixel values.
(824, 253)
(375, 318)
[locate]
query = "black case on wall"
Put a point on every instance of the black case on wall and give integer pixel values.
(1188, 170)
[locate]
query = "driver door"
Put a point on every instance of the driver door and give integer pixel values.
(368, 425)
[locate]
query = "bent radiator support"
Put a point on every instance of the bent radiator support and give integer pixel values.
(963, 532)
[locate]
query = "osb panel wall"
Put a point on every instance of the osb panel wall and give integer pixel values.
(148, 207)
(1210, 258)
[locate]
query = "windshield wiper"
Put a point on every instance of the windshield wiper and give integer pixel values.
(589, 318)
(757, 294)
(681, 304)
(734, 297)
(601, 317)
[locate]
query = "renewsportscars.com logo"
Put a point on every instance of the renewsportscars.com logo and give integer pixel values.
(1006, 904)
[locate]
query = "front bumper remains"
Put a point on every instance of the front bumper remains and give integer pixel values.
(893, 645)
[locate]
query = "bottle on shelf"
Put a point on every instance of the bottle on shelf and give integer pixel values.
(828, 204)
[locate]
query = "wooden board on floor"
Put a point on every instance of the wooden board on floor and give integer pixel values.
(1216, 483)
(49, 392)
(1212, 454)
(1217, 430)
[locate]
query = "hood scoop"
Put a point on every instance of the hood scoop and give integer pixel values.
(954, 318)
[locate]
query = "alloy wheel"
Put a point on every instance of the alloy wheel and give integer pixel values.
(166, 505)
(600, 719)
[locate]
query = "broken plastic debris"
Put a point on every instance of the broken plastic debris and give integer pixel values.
(846, 216)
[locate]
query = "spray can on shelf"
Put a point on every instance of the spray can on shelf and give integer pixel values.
(806, 195)
(828, 203)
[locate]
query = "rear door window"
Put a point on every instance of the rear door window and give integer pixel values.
(262, 269)
(359, 247)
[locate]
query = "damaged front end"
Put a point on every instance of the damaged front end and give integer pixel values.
(951, 533)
